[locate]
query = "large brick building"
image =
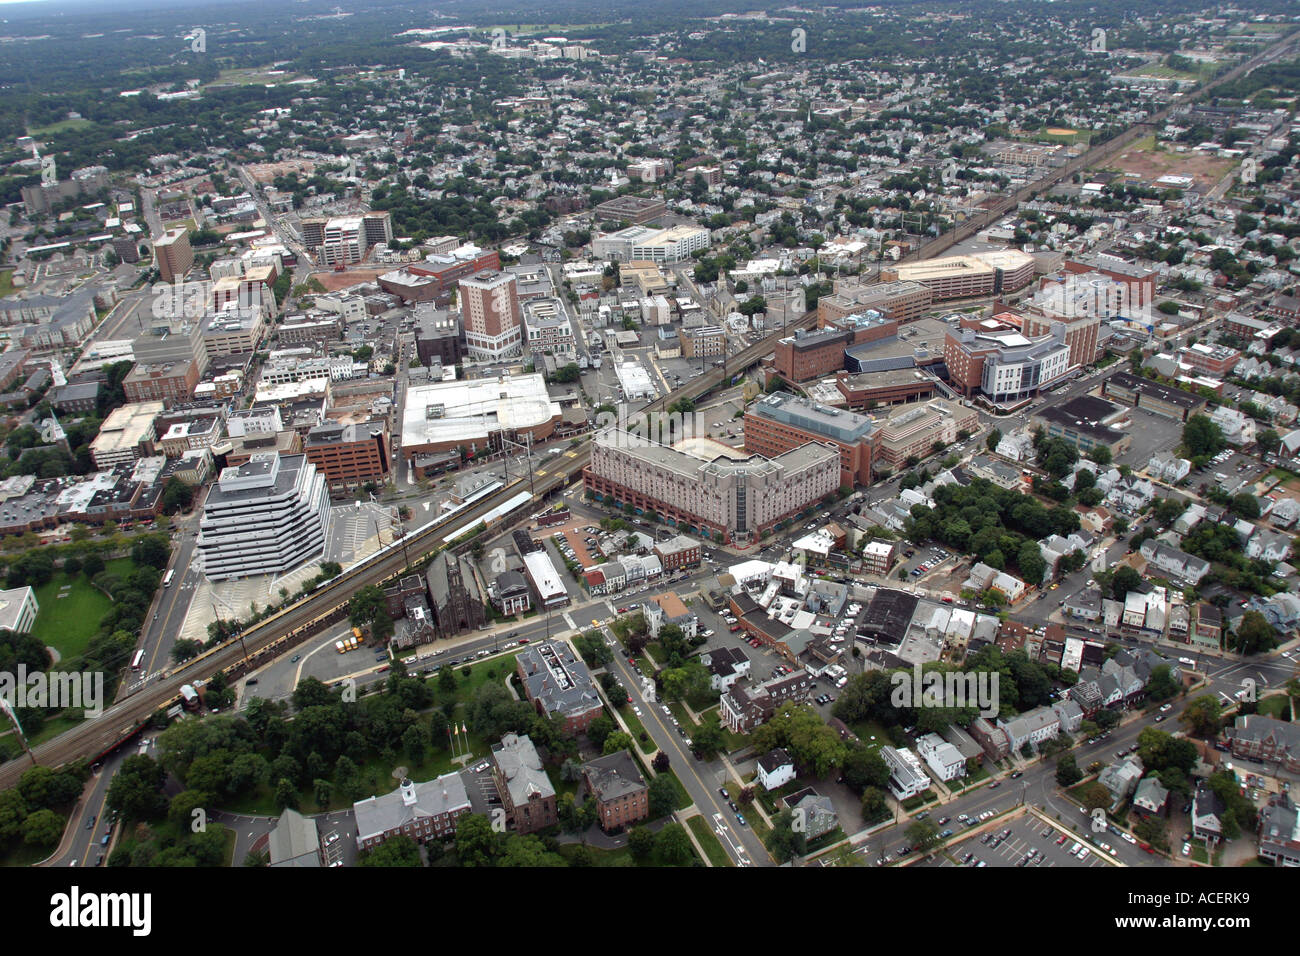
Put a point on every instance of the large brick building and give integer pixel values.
(781, 422)
(709, 487)
(434, 279)
(349, 455)
(170, 383)
(808, 355)
(527, 794)
(616, 784)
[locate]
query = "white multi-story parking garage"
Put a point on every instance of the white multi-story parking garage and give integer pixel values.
(263, 517)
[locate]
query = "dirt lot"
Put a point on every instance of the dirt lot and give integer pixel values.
(335, 281)
(266, 172)
(1150, 163)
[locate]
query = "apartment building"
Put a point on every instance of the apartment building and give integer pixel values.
(678, 552)
(782, 422)
(126, 434)
(708, 341)
(1217, 361)
(349, 455)
(547, 327)
(709, 487)
(168, 383)
(492, 316)
(173, 255)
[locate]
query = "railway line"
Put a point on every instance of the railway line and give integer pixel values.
(290, 626)
(327, 605)
(1093, 156)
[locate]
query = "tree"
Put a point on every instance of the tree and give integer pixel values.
(923, 835)
(640, 843)
(619, 740)
(477, 844)
(864, 769)
(785, 841)
(1202, 437)
(395, 851)
(1067, 770)
(662, 796)
(43, 828)
(136, 791)
(1094, 795)
(992, 438)
(874, 806)
(708, 740)
(1124, 580)
(672, 846)
(1202, 716)
(1254, 634)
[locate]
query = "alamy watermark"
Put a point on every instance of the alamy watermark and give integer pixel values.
(1082, 296)
(640, 428)
(193, 300)
(56, 690)
(978, 689)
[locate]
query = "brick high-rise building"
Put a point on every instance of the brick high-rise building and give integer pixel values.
(493, 321)
(174, 255)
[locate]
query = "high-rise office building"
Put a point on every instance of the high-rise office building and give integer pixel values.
(490, 304)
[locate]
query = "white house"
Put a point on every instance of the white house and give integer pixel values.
(907, 777)
(775, 769)
(945, 760)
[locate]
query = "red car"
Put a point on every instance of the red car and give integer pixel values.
(629, 698)
(523, 640)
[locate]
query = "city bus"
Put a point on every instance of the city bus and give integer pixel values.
(167, 578)
(138, 660)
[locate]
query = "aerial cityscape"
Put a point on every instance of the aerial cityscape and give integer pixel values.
(650, 435)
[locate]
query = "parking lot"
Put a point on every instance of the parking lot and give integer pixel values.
(1027, 838)
(1152, 434)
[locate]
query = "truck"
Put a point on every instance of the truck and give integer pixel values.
(340, 647)
(356, 632)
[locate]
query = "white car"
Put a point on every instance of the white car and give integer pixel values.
(1187, 849)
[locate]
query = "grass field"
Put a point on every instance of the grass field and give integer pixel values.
(68, 623)
(1277, 706)
(6, 283)
(712, 848)
(638, 730)
(61, 127)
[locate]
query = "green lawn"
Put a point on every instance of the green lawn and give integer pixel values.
(1277, 706)
(638, 730)
(619, 857)
(62, 126)
(6, 283)
(709, 841)
(68, 623)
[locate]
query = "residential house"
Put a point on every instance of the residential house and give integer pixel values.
(775, 769)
